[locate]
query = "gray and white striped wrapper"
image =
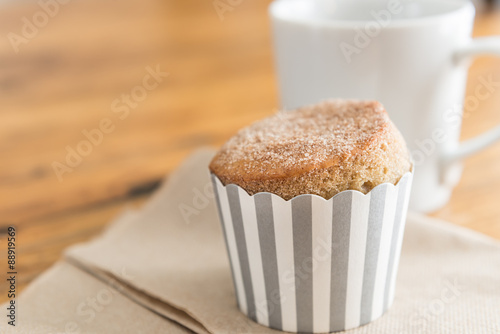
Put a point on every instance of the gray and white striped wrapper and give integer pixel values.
(312, 265)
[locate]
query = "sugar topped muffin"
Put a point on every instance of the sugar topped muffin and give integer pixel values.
(322, 149)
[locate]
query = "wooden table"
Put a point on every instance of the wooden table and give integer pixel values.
(69, 76)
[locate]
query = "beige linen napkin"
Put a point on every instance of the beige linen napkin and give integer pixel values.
(67, 300)
(169, 259)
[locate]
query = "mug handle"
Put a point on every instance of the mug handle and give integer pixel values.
(477, 47)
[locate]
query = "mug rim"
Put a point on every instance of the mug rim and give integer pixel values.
(275, 11)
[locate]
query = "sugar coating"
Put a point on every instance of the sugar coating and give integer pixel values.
(322, 149)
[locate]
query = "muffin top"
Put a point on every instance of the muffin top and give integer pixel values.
(322, 149)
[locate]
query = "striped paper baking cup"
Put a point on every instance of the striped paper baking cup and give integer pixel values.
(312, 265)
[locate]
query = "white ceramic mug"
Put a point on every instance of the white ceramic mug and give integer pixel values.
(412, 55)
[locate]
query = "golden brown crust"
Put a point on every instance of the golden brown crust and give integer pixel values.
(323, 149)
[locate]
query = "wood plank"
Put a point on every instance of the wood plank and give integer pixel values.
(474, 202)
(196, 105)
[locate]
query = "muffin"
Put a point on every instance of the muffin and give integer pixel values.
(322, 150)
(313, 206)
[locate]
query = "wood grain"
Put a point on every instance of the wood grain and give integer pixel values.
(221, 77)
